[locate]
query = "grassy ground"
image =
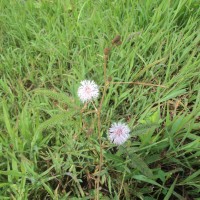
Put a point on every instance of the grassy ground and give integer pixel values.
(49, 149)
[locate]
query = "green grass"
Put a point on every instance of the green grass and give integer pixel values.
(49, 150)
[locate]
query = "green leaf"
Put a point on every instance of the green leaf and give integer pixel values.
(139, 164)
(193, 176)
(12, 173)
(60, 97)
(114, 158)
(143, 128)
(55, 120)
(7, 119)
(147, 180)
(173, 94)
(171, 189)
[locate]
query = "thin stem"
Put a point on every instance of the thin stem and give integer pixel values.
(94, 106)
(106, 84)
(104, 67)
(141, 83)
(101, 152)
(122, 183)
(90, 112)
(84, 107)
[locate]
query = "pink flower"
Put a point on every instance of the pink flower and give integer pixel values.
(88, 91)
(118, 133)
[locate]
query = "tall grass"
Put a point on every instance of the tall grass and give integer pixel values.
(49, 149)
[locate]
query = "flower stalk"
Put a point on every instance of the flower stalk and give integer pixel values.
(106, 85)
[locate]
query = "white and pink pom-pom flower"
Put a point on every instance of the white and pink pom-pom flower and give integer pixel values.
(118, 133)
(88, 91)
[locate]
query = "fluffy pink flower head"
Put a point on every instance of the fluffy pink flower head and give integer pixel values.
(88, 91)
(118, 133)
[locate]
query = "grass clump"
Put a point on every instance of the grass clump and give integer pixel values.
(54, 147)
